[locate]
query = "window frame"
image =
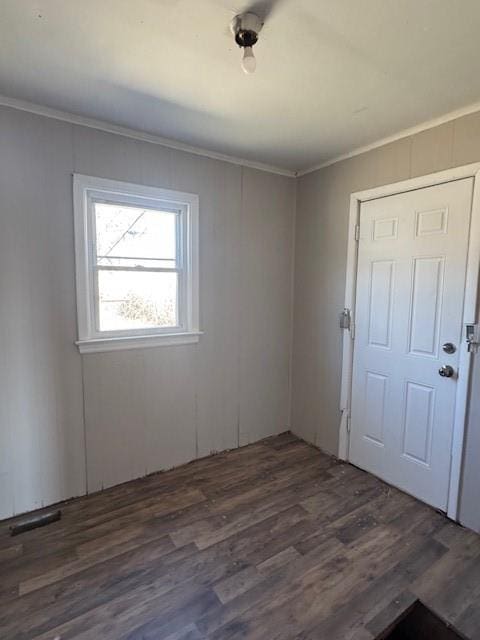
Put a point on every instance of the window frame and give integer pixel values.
(87, 190)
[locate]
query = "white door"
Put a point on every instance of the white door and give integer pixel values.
(410, 291)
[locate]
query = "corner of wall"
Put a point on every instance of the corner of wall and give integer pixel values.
(292, 307)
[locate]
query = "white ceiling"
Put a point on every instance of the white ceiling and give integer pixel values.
(332, 75)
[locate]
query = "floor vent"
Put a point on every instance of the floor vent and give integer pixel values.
(419, 623)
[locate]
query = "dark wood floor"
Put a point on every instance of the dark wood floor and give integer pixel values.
(274, 541)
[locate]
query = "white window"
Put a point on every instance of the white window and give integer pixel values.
(137, 265)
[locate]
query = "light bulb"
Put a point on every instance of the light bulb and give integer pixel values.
(249, 64)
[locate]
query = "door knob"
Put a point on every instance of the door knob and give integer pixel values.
(449, 347)
(446, 371)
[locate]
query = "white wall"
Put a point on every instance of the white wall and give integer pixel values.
(140, 411)
(320, 265)
(41, 404)
(136, 411)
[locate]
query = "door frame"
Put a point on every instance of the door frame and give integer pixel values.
(469, 312)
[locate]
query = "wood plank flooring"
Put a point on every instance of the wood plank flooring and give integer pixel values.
(272, 541)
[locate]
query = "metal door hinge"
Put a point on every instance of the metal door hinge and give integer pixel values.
(349, 423)
(345, 319)
(357, 232)
(346, 322)
(472, 334)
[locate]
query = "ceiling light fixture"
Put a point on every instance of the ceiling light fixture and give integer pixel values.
(246, 27)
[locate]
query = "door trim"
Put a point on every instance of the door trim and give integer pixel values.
(469, 312)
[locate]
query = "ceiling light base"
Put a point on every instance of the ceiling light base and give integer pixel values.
(246, 27)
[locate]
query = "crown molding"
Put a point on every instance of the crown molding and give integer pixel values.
(405, 133)
(101, 125)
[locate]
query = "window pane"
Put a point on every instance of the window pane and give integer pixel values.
(137, 300)
(142, 235)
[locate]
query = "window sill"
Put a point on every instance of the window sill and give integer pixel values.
(97, 345)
